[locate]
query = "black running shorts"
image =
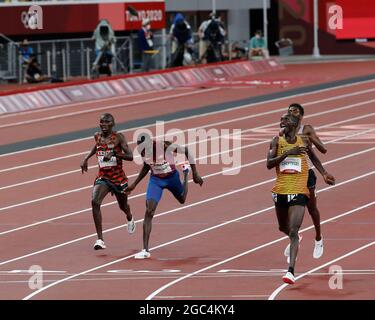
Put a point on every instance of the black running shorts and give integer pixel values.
(288, 200)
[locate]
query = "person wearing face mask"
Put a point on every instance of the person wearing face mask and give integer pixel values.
(146, 44)
(257, 46)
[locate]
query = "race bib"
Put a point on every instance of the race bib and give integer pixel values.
(161, 168)
(103, 164)
(291, 165)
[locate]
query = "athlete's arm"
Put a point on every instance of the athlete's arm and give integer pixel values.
(127, 154)
(141, 175)
(84, 165)
(273, 160)
(310, 132)
(328, 178)
(185, 150)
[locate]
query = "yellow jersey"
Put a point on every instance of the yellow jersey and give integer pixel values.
(292, 173)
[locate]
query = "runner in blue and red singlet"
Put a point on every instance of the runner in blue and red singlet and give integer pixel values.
(110, 149)
(158, 157)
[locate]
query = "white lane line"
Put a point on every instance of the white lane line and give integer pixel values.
(115, 106)
(115, 202)
(184, 207)
(211, 297)
(203, 126)
(194, 204)
(205, 114)
(204, 157)
(279, 289)
(170, 284)
(193, 235)
(206, 176)
(90, 186)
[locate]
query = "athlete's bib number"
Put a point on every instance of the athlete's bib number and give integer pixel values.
(103, 164)
(161, 168)
(291, 165)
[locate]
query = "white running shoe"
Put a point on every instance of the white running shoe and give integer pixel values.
(143, 255)
(318, 249)
(287, 249)
(131, 226)
(99, 244)
(289, 278)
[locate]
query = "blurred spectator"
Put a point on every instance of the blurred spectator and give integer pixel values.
(105, 40)
(146, 44)
(182, 41)
(25, 51)
(205, 33)
(34, 73)
(203, 42)
(237, 51)
(257, 46)
(215, 35)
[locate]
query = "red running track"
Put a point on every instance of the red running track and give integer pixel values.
(226, 231)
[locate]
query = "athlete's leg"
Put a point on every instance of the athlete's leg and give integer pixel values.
(314, 213)
(98, 194)
(147, 222)
(153, 196)
(283, 219)
(178, 189)
(122, 200)
(296, 213)
(281, 209)
(312, 205)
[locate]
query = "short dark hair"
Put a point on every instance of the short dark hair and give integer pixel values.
(108, 115)
(298, 106)
(260, 32)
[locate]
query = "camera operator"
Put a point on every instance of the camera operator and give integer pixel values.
(105, 40)
(214, 34)
(182, 38)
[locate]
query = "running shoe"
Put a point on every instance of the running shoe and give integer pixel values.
(318, 249)
(131, 226)
(99, 245)
(287, 249)
(289, 278)
(143, 255)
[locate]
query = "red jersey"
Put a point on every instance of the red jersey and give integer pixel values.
(111, 170)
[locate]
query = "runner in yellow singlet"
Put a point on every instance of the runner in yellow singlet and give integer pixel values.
(308, 131)
(288, 154)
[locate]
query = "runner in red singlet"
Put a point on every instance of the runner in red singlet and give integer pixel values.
(110, 149)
